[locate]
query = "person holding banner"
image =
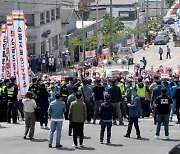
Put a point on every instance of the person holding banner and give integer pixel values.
(11, 92)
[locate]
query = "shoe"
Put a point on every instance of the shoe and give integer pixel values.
(75, 146)
(108, 142)
(70, 134)
(121, 123)
(82, 145)
(178, 122)
(138, 136)
(15, 122)
(167, 137)
(128, 136)
(42, 127)
(156, 137)
(59, 146)
(24, 137)
(115, 123)
(46, 127)
(50, 146)
(170, 120)
(31, 138)
(101, 142)
(94, 122)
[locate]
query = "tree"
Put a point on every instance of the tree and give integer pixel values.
(117, 27)
(74, 42)
(91, 42)
(83, 10)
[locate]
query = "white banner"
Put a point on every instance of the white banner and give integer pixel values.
(21, 47)
(3, 49)
(12, 48)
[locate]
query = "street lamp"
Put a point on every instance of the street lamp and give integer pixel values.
(138, 8)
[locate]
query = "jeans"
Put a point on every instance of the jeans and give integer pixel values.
(173, 109)
(118, 111)
(44, 118)
(133, 120)
(55, 125)
(162, 118)
(20, 108)
(97, 104)
(103, 127)
(168, 55)
(78, 129)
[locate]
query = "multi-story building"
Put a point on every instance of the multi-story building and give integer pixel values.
(43, 23)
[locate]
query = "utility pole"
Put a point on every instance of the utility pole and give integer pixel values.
(162, 9)
(111, 26)
(97, 26)
(83, 40)
(147, 14)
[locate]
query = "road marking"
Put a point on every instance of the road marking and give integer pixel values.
(169, 61)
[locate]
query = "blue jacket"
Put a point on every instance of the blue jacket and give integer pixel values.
(155, 93)
(135, 108)
(57, 109)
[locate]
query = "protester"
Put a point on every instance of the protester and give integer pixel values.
(78, 115)
(56, 111)
(30, 116)
(70, 99)
(168, 52)
(134, 114)
(106, 113)
(116, 98)
(163, 104)
(98, 92)
(43, 104)
(160, 53)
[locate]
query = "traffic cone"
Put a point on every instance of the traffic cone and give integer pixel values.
(152, 68)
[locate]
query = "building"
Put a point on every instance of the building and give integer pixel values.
(43, 23)
(130, 11)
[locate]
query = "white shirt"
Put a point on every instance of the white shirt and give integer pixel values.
(29, 105)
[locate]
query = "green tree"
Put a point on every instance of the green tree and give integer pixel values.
(91, 42)
(117, 28)
(83, 10)
(74, 42)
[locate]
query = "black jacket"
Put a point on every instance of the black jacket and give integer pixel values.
(115, 94)
(177, 96)
(107, 111)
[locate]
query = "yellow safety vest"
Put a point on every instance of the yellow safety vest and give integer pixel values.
(141, 91)
(10, 92)
(121, 86)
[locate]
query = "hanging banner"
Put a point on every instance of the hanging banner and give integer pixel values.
(21, 47)
(3, 48)
(12, 48)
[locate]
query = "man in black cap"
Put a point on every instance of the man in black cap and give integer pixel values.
(11, 92)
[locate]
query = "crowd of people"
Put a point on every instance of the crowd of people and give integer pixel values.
(86, 100)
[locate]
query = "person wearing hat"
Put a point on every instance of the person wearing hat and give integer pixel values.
(11, 92)
(106, 114)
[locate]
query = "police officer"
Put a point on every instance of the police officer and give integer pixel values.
(11, 92)
(34, 88)
(1, 101)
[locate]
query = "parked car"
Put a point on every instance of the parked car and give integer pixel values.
(165, 34)
(169, 20)
(160, 40)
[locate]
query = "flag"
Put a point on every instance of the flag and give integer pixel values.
(12, 48)
(21, 47)
(3, 50)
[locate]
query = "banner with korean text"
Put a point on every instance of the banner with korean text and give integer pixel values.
(12, 48)
(21, 47)
(3, 50)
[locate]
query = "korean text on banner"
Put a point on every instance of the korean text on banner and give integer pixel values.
(20, 41)
(3, 48)
(12, 48)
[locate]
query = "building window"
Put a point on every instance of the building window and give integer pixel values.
(42, 20)
(127, 15)
(47, 16)
(31, 48)
(57, 13)
(55, 43)
(29, 19)
(43, 47)
(52, 15)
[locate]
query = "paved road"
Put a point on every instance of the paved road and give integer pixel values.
(12, 142)
(152, 56)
